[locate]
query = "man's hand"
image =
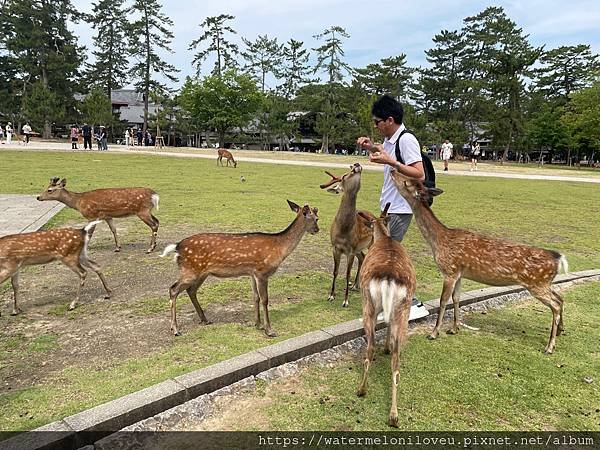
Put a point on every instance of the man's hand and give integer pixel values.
(364, 142)
(380, 156)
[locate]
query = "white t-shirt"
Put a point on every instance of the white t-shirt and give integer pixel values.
(411, 153)
(446, 150)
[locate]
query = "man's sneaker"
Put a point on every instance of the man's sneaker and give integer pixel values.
(417, 310)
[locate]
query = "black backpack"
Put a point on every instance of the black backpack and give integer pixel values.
(427, 164)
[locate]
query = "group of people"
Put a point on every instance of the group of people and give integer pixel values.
(133, 137)
(87, 132)
(446, 152)
(7, 132)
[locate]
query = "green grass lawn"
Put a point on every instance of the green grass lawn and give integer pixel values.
(495, 379)
(196, 195)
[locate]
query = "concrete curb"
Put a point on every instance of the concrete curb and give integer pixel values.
(88, 426)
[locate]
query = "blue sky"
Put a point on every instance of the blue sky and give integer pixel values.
(377, 29)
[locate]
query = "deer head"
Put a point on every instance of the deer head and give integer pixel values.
(350, 181)
(54, 189)
(309, 215)
(413, 190)
(379, 225)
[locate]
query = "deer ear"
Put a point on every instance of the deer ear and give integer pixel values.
(63, 182)
(306, 210)
(293, 206)
(434, 191)
(53, 181)
(368, 220)
(335, 190)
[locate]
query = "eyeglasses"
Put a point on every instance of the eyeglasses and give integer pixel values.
(376, 122)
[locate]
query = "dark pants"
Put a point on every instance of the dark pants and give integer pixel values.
(87, 141)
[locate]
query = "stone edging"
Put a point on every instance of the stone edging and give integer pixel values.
(88, 426)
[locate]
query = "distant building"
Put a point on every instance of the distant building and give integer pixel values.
(128, 105)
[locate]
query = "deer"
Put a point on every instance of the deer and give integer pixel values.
(388, 283)
(227, 155)
(106, 204)
(349, 234)
(462, 253)
(69, 245)
(227, 255)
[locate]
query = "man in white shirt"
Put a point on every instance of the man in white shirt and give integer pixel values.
(387, 118)
(27, 132)
(446, 153)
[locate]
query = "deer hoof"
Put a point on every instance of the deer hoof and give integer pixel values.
(549, 350)
(330, 298)
(345, 305)
(452, 331)
(117, 249)
(16, 312)
(270, 333)
(361, 392)
(355, 287)
(393, 420)
(206, 322)
(177, 333)
(432, 337)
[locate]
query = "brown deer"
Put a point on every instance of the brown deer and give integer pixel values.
(106, 204)
(227, 155)
(227, 255)
(497, 262)
(349, 233)
(388, 283)
(69, 245)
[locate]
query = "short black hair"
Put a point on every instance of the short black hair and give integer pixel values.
(387, 106)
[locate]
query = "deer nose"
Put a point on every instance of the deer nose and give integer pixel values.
(38, 198)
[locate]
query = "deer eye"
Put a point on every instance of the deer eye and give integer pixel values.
(50, 191)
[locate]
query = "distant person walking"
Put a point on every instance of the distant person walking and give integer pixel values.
(103, 138)
(86, 130)
(9, 132)
(446, 153)
(1, 133)
(27, 132)
(475, 152)
(140, 137)
(74, 137)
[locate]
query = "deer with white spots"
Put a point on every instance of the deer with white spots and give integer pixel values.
(388, 284)
(497, 262)
(227, 255)
(68, 245)
(227, 155)
(107, 204)
(349, 234)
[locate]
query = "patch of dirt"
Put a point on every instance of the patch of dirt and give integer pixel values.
(99, 332)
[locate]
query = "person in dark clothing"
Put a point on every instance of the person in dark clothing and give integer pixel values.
(140, 137)
(86, 130)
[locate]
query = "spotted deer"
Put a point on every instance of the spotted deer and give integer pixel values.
(227, 255)
(227, 155)
(349, 234)
(497, 262)
(107, 204)
(68, 245)
(388, 283)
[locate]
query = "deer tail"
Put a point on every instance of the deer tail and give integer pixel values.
(563, 264)
(169, 249)
(155, 198)
(86, 238)
(390, 292)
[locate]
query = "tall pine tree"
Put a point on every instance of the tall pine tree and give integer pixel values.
(148, 34)
(225, 51)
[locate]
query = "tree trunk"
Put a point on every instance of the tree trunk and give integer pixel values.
(569, 157)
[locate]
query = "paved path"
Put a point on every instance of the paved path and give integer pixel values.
(23, 213)
(40, 146)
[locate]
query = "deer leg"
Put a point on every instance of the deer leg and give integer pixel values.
(96, 268)
(447, 289)
(348, 270)
(369, 318)
(192, 290)
(14, 280)
(263, 287)
(111, 225)
(456, 304)
(256, 301)
(356, 285)
(174, 291)
(399, 330)
(560, 301)
(147, 217)
(336, 265)
(545, 295)
(76, 267)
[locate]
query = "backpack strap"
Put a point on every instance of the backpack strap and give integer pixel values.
(398, 155)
